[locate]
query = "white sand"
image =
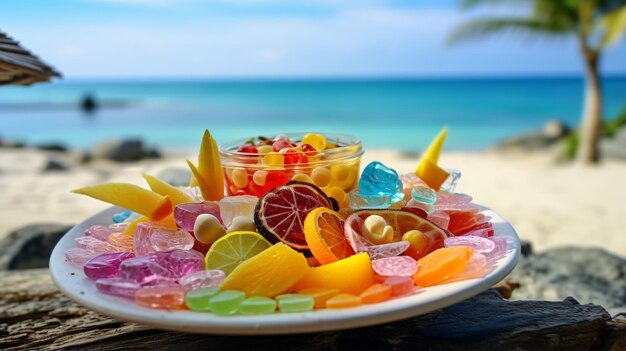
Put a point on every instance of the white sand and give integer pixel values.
(548, 204)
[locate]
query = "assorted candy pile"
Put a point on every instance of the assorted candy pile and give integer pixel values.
(289, 246)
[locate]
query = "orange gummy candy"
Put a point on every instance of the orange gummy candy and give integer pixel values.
(343, 301)
(441, 264)
(376, 293)
(319, 295)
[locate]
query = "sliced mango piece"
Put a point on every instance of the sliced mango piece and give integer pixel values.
(351, 275)
(130, 197)
(434, 149)
(271, 272)
(431, 174)
(210, 169)
(441, 264)
(168, 221)
(162, 188)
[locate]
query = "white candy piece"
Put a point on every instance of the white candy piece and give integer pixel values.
(241, 223)
(376, 230)
(207, 229)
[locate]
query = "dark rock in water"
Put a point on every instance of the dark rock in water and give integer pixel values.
(12, 144)
(59, 147)
(123, 150)
(30, 246)
(175, 176)
(614, 147)
(53, 165)
(552, 131)
(588, 274)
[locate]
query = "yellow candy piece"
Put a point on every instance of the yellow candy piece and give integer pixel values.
(434, 149)
(205, 189)
(321, 176)
(343, 301)
(343, 175)
(319, 295)
(161, 187)
(210, 169)
(130, 197)
(337, 194)
(351, 275)
(431, 174)
(259, 177)
(273, 159)
(239, 177)
(271, 272)
(301, 177)
(318, 141)
(264, 149)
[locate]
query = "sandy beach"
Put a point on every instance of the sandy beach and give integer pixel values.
(548, 204)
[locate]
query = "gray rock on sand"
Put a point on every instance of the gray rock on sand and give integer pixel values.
(126, 150)
(553, 130)
(590, 275)
(614, 147)
(175, 176)
(30, 246)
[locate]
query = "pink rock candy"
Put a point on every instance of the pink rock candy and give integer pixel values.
(117, 287)
(499, 250)
(180, 262)
(478, 244)
(118, 227)
(440, 218)
(105, 265)
(92, 244)
(400, 285)
(144, 270)
(78, 257)
(185, 214)
(153, 237)
(202, 279)
(99, 232)
(404, 266)
(385, 250)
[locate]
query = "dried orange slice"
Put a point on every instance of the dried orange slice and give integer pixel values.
(323, 231)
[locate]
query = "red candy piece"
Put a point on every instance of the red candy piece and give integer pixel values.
(403, 266)
(280, 144)
(248, 149)
(308, 150)
(290, 156)
(275, 178)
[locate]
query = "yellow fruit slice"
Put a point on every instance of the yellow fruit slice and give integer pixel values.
(162, 188)
(431, 174)
(434, 149)
(168, 221)
(130, 197)
(351, 275)
(209, 175)
(323, 231)
(270, 273)
(232, 249)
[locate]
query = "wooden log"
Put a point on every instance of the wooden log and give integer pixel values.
(34, 314)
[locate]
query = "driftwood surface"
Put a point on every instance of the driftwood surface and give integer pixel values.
(35, 315)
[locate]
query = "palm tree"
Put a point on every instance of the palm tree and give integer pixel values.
(595, 24)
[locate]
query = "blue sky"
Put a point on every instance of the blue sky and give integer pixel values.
(273, 38)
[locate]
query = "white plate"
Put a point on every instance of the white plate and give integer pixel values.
(74, 284)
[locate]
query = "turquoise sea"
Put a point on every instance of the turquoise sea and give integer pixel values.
(385, 113)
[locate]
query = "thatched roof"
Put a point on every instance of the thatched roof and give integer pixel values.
(19, 66)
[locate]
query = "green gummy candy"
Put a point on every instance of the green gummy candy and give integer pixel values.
(227, 302)
(295, 303)
(198, 299)
(257, 305)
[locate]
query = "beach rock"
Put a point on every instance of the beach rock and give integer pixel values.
(127, 150)
(175, 176)
(590, 275)
(30, 246)
(552, 131)
(614, 147)
(52, 146)
(12, 144)
(53, 165)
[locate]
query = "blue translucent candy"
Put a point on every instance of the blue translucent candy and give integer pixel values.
(424, 195)
(359, 201)
(380, 180)
(121, 217)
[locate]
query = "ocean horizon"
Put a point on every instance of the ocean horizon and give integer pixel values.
(385, 112)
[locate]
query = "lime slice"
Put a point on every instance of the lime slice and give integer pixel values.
(231, 250)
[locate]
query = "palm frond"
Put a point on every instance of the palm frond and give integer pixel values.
(614, 25)
(488, 26)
